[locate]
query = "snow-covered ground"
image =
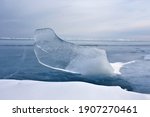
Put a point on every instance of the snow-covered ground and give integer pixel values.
(26, 89)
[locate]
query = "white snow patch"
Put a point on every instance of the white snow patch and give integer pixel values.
(118, 65)
(15, 89)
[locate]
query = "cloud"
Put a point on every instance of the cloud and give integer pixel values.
(79, 18)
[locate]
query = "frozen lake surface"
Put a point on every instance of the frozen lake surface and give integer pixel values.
(20, 62)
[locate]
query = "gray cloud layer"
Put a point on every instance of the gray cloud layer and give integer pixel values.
(104, 19)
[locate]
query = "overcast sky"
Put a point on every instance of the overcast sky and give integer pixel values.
(100, 19)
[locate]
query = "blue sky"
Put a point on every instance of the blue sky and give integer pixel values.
(95, 19)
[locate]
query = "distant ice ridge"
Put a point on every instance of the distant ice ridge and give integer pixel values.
(53, 52)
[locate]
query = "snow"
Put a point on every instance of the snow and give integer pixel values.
(25, 89)
(118, 65)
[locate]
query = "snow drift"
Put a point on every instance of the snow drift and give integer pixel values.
(35, 90)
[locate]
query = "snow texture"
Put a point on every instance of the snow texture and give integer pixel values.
(15, 89)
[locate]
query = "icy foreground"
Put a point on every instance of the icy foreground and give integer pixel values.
(15, 89)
